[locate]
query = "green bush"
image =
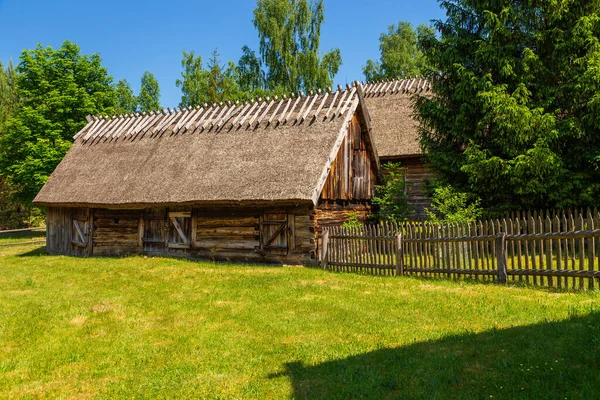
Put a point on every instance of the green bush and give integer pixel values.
(390, 198)
(353, 221)
(450, 205)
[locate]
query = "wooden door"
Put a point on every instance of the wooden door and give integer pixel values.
(274, 233)
(180, 230)
(81, 232)
(154, 227)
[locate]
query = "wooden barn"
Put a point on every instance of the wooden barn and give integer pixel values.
(248, 182)
(396, 133)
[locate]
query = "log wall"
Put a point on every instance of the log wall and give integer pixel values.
(224, 234)
(115, 232)
(333, 214)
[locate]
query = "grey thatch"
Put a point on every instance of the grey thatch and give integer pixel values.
(390, 105)
(278, 149)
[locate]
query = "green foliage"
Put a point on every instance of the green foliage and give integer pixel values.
(57, 90)
(221, 80)
(11, 213)
(193, 80)
(452, 206)
(250, 74)
(401, 55)
(8, 92)
(290, 35)
(290, 59)
(214, 84)
(390, 198)
(514, 116)
(127, 102)
(353, 221)
(149, 97)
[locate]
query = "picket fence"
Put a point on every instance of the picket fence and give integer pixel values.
(554, 249)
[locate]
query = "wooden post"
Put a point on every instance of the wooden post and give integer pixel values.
(324, 248)
(501, 257)
(90, 233)
(399, 255)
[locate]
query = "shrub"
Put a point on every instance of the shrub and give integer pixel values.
(450, 205)
(390, 198)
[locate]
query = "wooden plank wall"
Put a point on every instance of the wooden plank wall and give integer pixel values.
(416, 173)
(351, 176)
(59, 232)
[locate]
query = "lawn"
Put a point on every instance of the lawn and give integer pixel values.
(154, 328)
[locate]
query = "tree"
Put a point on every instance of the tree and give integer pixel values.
(221, 82)
(515, 114)
(149, 97)
(290, 35)
(8, 91)
(126, 100)
(193, 82)
(401, 54)
(57, 90)
(214, 84)
(250, 74)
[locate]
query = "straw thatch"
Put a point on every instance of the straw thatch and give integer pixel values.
(391, 107)
(259, 151)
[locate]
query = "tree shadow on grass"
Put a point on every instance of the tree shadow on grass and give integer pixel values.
(554, 360)
(39, 251)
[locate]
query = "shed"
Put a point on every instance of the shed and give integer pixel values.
(255, 181)
(396, 132)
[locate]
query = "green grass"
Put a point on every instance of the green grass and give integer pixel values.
(6, 238)
(155, 328)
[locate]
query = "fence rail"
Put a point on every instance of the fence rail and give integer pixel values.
(554, 249)
(25, 242)
(24, 230)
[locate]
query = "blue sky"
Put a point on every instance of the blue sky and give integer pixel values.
(137, 35)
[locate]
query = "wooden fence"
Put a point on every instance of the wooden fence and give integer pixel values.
(12, 231)
(554, 250)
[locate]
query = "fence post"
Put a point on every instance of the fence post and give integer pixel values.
(399, 255)
(501, 257)
(325, 248)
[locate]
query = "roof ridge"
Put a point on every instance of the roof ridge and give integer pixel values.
(229, 115)
(251, 100)
(382, 87)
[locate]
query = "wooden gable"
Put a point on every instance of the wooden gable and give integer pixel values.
(352, 175)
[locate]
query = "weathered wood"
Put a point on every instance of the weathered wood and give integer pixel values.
(182, 214)
(24, 230)
(591, 247)
(325, 249)
(399, 255)
(501, 257)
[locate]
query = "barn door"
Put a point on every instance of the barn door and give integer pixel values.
(274, 233)
(180, 230)
(154, 230)
(81, 232)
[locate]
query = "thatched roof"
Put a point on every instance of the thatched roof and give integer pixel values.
(260, 151)
(391, 107)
